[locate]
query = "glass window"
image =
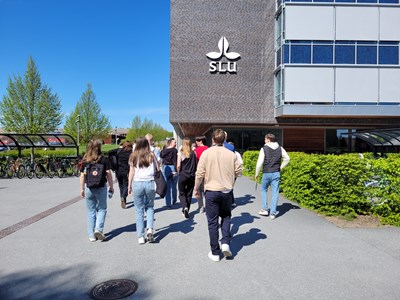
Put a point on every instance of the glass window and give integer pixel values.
(278, 88)
(300, 54)
(388, 1)
(285, 54)
(344, 54)
(388, 55)
(366, 54)
(367, 1)
(323, 54)
(345, 1)
(279, 57)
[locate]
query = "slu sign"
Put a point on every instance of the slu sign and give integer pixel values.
(219, 66)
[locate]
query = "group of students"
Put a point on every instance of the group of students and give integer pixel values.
(198, 170)
(136, 165)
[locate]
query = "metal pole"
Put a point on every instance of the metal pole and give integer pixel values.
(78, 120)
(116, 136)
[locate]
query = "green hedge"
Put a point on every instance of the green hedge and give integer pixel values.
(345, 185)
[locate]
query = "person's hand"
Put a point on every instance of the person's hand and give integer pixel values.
(82, 194)
(196, 193)
(130, 191)
(256, 177)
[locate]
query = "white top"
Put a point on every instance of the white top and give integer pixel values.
(144, 174)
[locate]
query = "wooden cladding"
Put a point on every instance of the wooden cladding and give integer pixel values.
(304, 140)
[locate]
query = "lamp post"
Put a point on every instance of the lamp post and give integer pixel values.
(116, 136)
(78, 120)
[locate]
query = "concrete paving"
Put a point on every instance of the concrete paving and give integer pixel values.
(46, 254)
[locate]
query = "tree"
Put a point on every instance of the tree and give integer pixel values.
(92, 123)
(142, 127)
(30, 106)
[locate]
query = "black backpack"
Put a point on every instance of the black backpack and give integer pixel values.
(95, 175)
(113, 158)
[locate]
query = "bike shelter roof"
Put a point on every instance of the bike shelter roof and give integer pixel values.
(21, 141)
(379, 137)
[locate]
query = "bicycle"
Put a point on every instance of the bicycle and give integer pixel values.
(15, 168)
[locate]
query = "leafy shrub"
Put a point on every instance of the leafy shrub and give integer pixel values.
(343, 185)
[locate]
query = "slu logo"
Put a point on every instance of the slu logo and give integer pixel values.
(219, 66)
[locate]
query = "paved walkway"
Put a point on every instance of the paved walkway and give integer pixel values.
(45, 253)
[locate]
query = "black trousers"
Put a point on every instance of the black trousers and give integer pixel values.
(185, 187)
(123, 184)
(218, 205)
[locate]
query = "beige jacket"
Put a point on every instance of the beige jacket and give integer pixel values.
(218, 167)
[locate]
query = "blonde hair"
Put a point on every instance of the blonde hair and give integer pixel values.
(93, 151)
(186, 147)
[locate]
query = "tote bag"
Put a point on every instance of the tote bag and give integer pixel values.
(161, 185)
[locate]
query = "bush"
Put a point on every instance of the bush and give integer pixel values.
(344, 185)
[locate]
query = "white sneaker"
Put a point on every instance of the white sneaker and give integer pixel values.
(225, 250)
(141, 240)
(92, 239)
(263, 212)
(273, 216)
(213, 257)
(99, 235)
(150, 236)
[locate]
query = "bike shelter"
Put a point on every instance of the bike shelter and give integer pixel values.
(379, 139)
(21, 141)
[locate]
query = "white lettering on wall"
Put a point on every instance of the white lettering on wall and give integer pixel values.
(219, 66)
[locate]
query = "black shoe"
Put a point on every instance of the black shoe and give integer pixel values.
(186, 213)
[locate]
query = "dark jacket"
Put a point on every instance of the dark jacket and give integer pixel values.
(169, 156)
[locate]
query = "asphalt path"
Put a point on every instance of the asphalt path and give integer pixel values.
(45, 252)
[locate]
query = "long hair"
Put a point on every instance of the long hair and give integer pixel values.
(186, 148)
(93, 151)
(141, 156)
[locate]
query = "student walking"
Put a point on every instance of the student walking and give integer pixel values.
(95, 173)
(122, 171)
(273, 159)
(200, 148)
(169, 156)
(218, 167)
(186, 165)
(141, 183)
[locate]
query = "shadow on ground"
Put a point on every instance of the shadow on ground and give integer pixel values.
(61, 283)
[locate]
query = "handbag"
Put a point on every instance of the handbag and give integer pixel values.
(161, 184)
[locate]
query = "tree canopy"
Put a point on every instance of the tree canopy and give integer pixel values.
(29, 105)
(87, 115)
(140, 127)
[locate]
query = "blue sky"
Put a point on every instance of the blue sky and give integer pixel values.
(121, 47)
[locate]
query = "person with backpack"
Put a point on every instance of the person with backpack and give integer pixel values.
(122, 170)
(142, 167)
(273, 159)
(95, 173)
(186, 165)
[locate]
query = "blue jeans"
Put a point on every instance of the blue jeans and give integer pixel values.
(96, 208)
(171, 180)
(144, 193)
(218, 205)
(273, 180)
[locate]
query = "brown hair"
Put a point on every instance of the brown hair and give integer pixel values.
(141, 156)
(218, 136)
(93, 151)
(270, 136)
(127, 146)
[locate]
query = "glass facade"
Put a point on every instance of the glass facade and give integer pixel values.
(339, 52)
(342, 1)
